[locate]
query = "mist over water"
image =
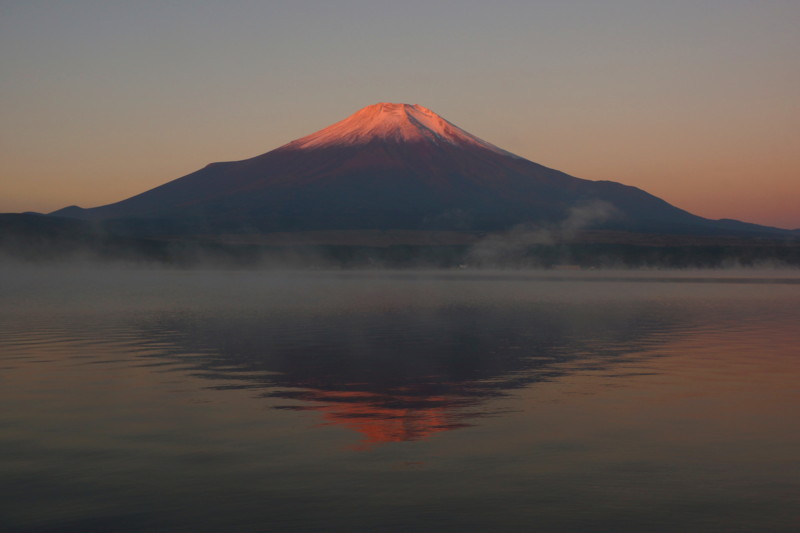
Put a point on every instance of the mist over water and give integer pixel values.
(399, 400)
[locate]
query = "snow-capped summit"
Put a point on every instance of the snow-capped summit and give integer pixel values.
(387, 122)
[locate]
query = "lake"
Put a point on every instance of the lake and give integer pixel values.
(144, 400)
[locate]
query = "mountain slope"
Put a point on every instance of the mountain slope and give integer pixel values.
(391, 166)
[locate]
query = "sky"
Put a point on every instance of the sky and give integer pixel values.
(697, 102)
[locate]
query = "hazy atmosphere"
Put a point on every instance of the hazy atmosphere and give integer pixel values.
(693, 102)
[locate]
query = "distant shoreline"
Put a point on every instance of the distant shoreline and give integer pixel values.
(38, 239)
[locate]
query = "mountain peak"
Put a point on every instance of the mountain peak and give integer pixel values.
(396, 123)
(392, 166)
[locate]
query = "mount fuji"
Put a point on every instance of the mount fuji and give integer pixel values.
(392, 167)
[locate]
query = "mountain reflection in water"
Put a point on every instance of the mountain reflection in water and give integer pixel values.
(405, 374)
(245, 401)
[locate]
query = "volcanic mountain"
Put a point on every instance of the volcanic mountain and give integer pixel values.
(390, 166)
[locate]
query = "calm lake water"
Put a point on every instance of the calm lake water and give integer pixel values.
(259, 401)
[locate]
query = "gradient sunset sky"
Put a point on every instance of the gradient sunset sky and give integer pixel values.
(697, 102)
